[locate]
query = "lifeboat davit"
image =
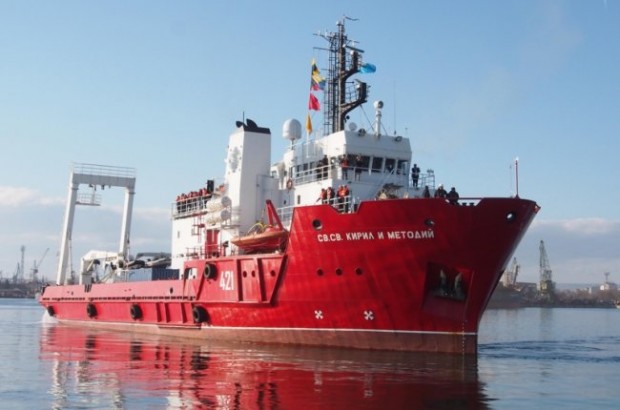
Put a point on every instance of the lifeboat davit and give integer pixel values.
(261, 237)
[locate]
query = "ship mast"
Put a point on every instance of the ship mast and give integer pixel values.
(342, 96)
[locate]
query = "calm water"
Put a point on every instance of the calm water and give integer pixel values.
(529, 358)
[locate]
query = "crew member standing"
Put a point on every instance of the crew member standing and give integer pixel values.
(440, 192)
(415, 175)
(453, 196)
(344, 165)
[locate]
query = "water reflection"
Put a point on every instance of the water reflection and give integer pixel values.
(95, 369)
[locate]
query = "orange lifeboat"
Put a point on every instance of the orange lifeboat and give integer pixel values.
(261, 237)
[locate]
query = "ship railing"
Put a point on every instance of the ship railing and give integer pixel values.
(393, 184)
(196, 201)
(189, 206)
(314, 174)
(427, 179)
(286, 215)
(196, 252)
(104, 170)
(343, 205)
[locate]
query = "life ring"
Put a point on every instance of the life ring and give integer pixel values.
(136, 312)
(91, 310)
(51, 311)
(199, 314)
(210, 271)
(289, 184)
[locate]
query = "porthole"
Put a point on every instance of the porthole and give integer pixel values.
(511, 216)
(316, 224)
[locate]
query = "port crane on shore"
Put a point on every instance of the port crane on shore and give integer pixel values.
(510, 276)
(37, 264)
(546, 285)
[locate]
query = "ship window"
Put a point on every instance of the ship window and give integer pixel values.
(361, 162)
(319, 272)
(511, 216)
(389, 164)
(316, 224)
(338, 271)
(403, 166)
(358, 271)
(429, 222)
(376, 164)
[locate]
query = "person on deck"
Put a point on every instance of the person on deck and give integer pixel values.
(440, 192)
(322, 196)
(344, 165)
(426, 193)
(358, 168)
(453, 196)
(415, 175)
(331, 195)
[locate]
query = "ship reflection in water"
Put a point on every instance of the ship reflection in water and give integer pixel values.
(94, 369)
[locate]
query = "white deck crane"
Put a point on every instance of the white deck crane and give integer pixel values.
(95, 175)
(546, 283)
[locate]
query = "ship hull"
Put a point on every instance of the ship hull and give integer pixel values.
(404, 274)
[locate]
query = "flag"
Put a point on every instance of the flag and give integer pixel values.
(313, 103)
(317, 82)
(368, 68)
(308, 124)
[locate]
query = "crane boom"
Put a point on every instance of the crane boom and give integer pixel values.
(546, 282)
(35, 268)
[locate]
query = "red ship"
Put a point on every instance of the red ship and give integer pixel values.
(364, 251)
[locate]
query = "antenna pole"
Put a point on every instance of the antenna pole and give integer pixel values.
(517, 175)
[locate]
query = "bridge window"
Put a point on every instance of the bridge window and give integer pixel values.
(376, 164)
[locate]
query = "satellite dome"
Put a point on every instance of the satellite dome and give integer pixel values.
(291, 130)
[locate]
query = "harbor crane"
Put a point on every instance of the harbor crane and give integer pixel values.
(18, 277)
(36, 265)
(546, 285)
(510, 276)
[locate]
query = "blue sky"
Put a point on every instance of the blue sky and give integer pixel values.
(158, 85)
